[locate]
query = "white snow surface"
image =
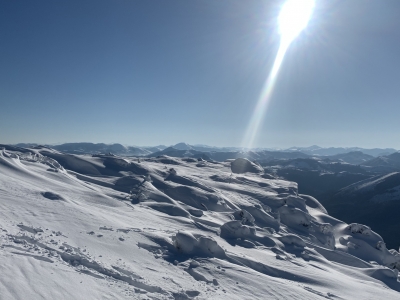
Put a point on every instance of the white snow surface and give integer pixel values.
(169, 228)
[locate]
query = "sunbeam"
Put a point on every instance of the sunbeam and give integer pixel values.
(293, 18)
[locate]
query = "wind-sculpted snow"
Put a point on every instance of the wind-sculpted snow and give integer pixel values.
(243, 165)
(109, 227)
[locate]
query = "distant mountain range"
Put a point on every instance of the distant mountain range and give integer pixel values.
(145, 150)
(388, 161)
(354, 157)
(91, 148)
(316, 150)
(259, 156)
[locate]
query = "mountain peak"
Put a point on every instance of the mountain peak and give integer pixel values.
(182, 146)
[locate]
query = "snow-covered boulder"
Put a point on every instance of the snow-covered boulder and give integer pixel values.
(243, 165)
(359, 240)
(185, 242)
(359, 228)
(235, 229)
(292, 239)
(206, 246)
(244, 216)
(294, 217)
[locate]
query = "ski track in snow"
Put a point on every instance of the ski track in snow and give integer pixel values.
(106, 227)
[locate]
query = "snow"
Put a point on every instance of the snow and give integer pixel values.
(106, 227)
(243, 165)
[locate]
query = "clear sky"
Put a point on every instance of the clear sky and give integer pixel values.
(161, 72)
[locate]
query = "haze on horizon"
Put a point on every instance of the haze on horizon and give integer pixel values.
(157, 72)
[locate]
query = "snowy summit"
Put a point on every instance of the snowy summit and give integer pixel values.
(110, 227)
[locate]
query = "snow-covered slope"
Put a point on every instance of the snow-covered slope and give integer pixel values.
(170, 228)
(376, 189)
(375, 200)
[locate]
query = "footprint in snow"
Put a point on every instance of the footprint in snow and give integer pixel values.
(52, 196)
(327, 295)
(30, 229)
(106, 228)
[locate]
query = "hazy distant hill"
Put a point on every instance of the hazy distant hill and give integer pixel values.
(259, 156)
(91, 148)
(173, 152)
(182, 146)
(317, 177)
(385, 163)
(354, 157)
(97, 148)
(316, 150)
(204, 148)
(26, 145)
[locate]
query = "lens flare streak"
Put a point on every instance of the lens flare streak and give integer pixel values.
(265, 97)
(293, 18)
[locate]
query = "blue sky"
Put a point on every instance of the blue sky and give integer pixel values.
(162, 72)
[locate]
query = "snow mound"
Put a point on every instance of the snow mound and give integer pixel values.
(292, 216)
(204, 246)
(292, 239)
(235, 229)
(359, 228)
(243, 165)
(359, 240)
(198, 198)
(244, 216)
(262, 218)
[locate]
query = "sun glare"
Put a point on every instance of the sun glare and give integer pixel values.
(293, 18)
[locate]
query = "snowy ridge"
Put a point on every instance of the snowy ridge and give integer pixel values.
(106, 227)
(379, 188)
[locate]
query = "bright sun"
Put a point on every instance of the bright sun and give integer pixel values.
(293, 18)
